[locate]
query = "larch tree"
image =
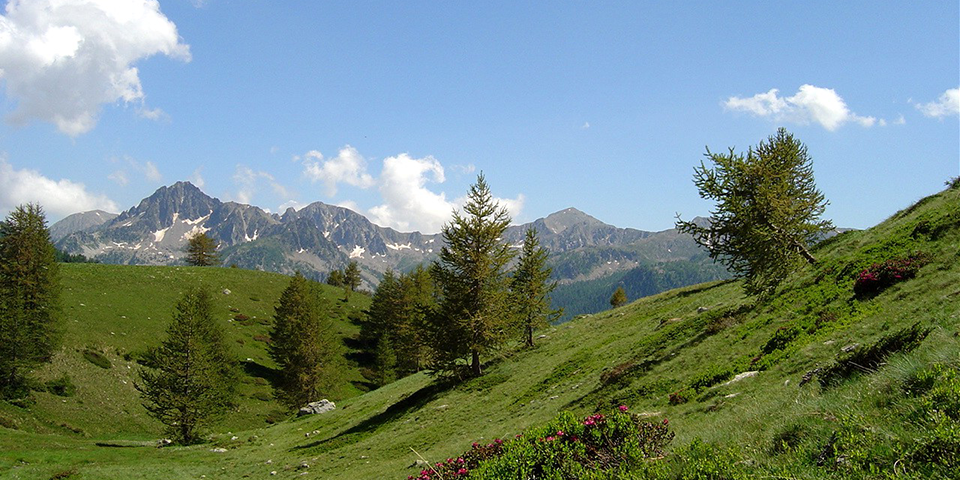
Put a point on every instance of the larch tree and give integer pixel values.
(191, 378)
(351, 276)
(530, 288)
(303, 345)
(619, 298)
(767, 211)
(29, 297)
(473, 315)
(202, 251)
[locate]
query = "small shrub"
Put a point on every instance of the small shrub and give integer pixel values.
(567, 447)
(9, 423)
(97, 359)
(262, 396)
(64, 474)
(877, 277)
(679, 397)
(869, 358)
(262, 338)
(710, 377)
(615, 374)
(62, 386)
(275, 416)
(780, 339)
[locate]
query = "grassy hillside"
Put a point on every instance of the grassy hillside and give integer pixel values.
(113, 313)
(884, 402)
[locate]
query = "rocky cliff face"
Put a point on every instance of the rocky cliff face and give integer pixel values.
(320, 237)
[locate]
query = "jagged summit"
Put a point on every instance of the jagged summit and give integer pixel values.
(319, 238)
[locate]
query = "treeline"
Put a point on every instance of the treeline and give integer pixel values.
(642, 281)
(448, 316)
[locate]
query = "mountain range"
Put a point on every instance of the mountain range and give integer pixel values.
(589, 257)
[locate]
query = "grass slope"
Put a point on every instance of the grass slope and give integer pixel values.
(112, 313)
(650, 355)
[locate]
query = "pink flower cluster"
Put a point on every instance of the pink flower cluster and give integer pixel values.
(879, 276)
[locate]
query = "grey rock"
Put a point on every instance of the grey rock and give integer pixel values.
(323, 406)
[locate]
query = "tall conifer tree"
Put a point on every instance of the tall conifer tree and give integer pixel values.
(193, 376)
(530, 288)
(29, 296)
(303, 345)
(767, 213)
(471, 275)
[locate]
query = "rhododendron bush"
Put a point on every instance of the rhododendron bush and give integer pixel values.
(569, 447)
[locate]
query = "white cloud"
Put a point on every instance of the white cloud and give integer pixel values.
(810, 104)
(148, 169)
(347, 167)
(58, 198)
(197, 179)
(119, 177)
(585, 125)
(947, 105)
(248, 183)
(60, 60)
(410, 205)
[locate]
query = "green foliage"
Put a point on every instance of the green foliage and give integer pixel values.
(202, 251)
(351, 276)
(303, 347)
(598, 446)
(335, 279)
(710, 377)
(767, 211)
(865, 359)
(396, 323)
(194, 379)
(97, 359)
(470, 272)
(61, 386)
(29, 297)
(619, 298)
(530, 288)
(878, 276)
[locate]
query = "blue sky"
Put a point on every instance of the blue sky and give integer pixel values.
(393, 108)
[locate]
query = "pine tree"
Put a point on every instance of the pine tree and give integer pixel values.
(395, 321)
(471, 276)
(193, 376)
(351, 276)
(335, 278)
(619, 298)
(530, 288)
(767, 213)
(303, 345)
(202, 251)
(29, 296)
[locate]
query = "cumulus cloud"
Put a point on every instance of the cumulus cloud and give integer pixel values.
(58, 198)
(408, 204)
(62, 59)
(347, 167)
(248, 183)
(947, 105)
(809, 105)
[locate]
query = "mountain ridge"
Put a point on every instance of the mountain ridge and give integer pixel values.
(319, 238)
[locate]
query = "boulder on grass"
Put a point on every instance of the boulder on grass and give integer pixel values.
(323, 406)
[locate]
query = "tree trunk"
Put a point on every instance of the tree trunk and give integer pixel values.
(805, 253)
(475, 366)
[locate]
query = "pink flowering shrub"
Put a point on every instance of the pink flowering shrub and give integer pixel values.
(875, 278)
(569, 447)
